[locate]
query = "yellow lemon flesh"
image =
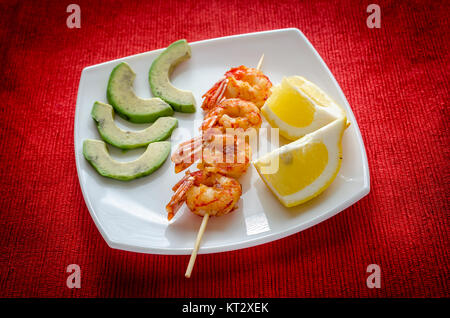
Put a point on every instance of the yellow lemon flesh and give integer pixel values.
(282, 100)
(298, 107)
(301, 170)
(310, 159)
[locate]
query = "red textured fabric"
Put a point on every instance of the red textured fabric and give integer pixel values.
(395, 79)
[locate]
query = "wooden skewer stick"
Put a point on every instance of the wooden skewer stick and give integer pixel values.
(260, 62)
(197, 245)
(201, 231)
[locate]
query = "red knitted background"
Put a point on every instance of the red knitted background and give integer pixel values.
(395, 79)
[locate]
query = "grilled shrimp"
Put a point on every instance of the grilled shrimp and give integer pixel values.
(241, 82)
(226, 154)
(205, 193)
(233, 113)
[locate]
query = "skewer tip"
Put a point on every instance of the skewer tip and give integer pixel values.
(260, 62)
(196, 246)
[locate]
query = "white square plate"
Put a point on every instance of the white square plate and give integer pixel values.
(131, 215)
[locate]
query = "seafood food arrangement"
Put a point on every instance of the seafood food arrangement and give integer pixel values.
(234, 108)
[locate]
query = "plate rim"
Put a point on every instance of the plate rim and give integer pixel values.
(251, 242)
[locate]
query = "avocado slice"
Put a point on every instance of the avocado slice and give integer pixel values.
(96, 153)
(122, 97)
(181, 100)
(103, 114)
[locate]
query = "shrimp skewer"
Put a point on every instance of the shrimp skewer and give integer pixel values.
(210, 191)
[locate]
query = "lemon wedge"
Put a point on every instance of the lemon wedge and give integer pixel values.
(298, 107)
(301, 170)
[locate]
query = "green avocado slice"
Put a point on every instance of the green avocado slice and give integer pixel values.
(103, 114)
(160, 85)
(122, 97)
(96, 153)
